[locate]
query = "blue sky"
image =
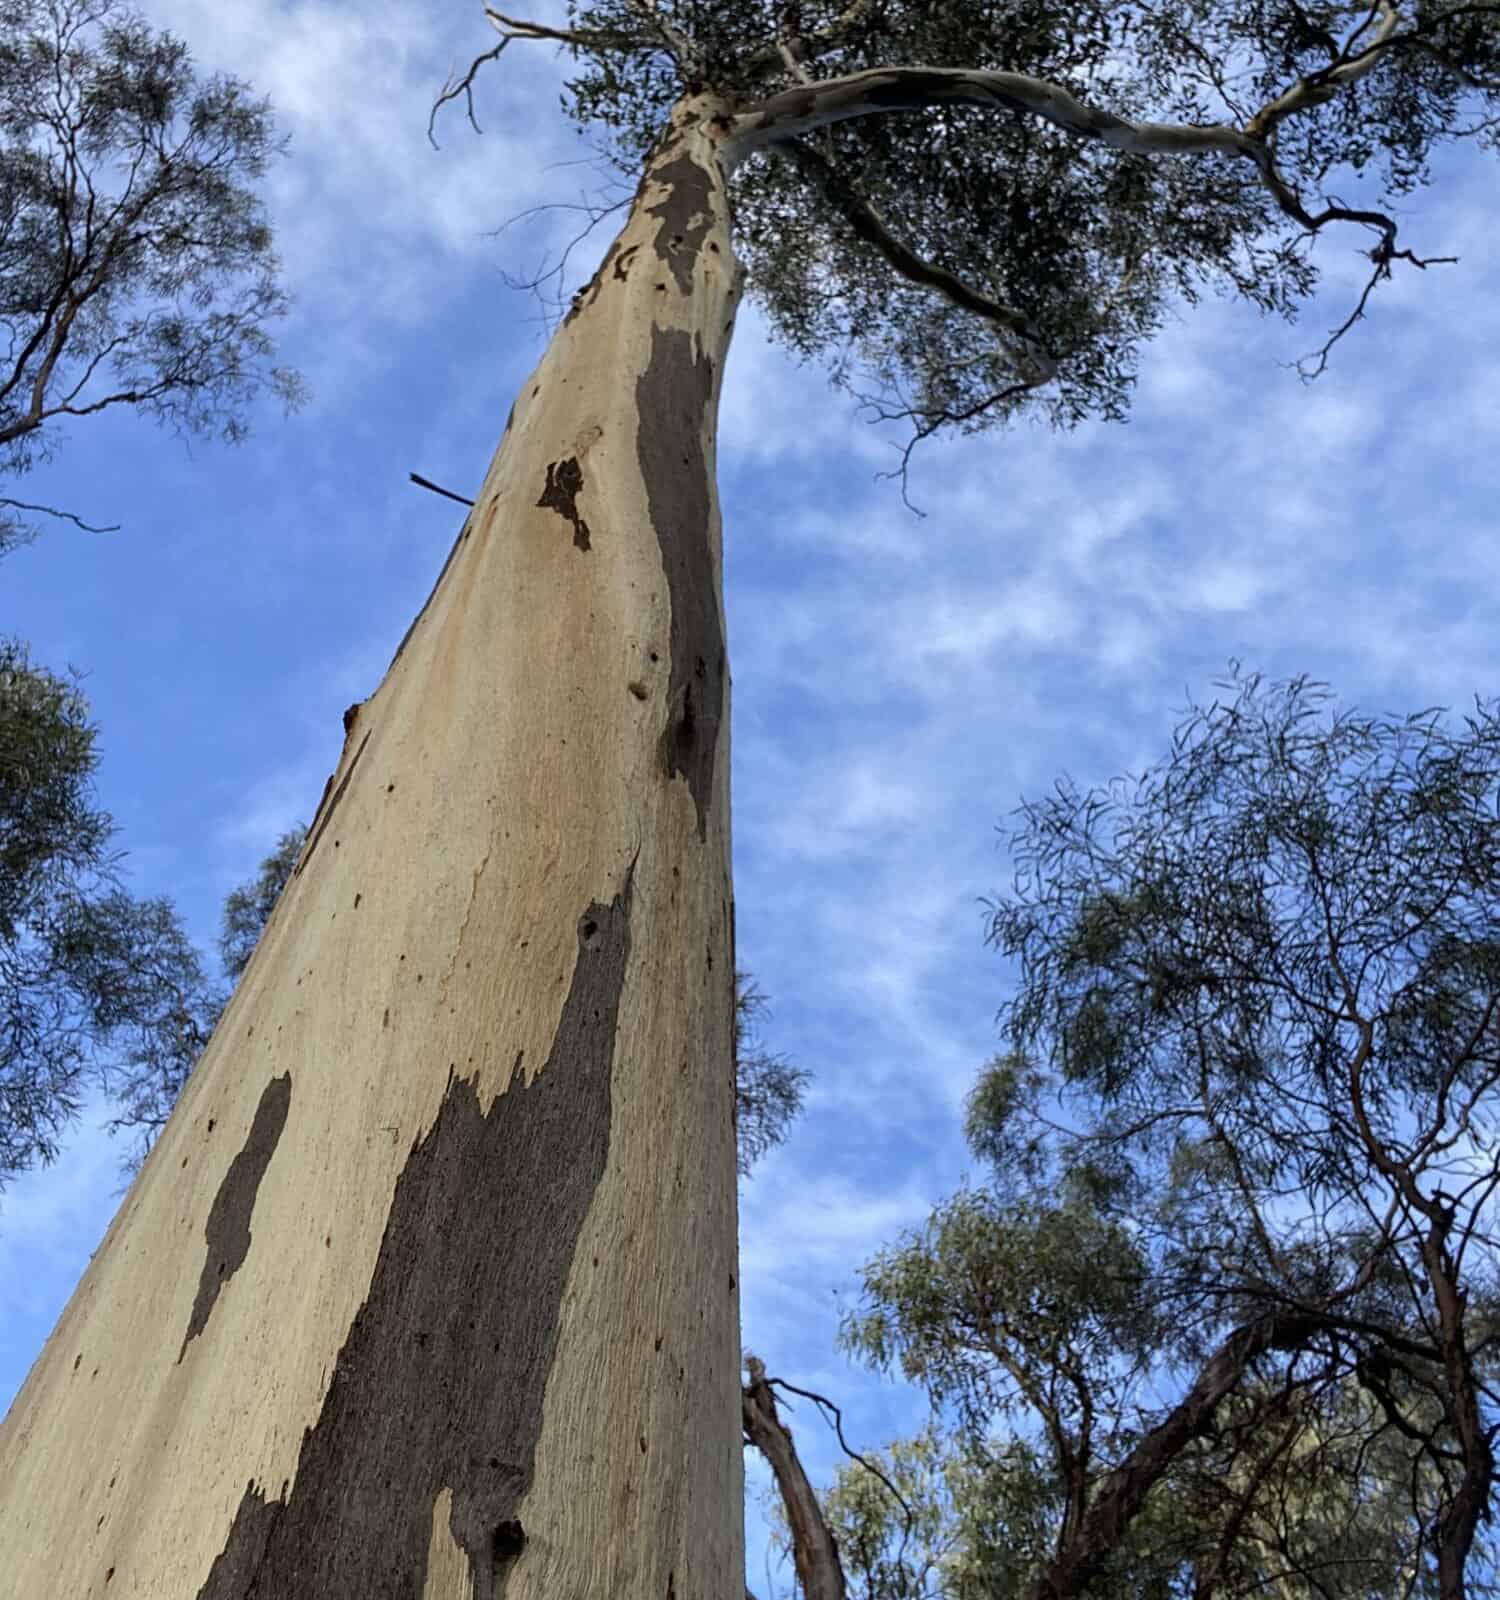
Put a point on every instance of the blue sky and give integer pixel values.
(899, 684)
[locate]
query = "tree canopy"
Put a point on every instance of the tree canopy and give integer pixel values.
(1062, 173)
(1255, 1042)
(97, 987)
(136, 261)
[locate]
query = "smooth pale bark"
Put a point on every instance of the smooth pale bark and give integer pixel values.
(428, 1287)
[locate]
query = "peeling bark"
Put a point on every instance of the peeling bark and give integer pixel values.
(427, 1289)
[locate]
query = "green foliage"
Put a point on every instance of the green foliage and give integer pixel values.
(152, 1009)
(53, 844)
(767, 1089)
(969, 1523)
(136, 262)
(1252, 1056)
(990, 1290)
(1195, 975)
(1091, 245)
(91, 980)
(248, 909)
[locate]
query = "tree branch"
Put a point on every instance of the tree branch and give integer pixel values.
(869, 225)
(427, 483)
(816, 1555)
(52, 511)
(683, 50)
(1123, 1492)
(510, 28)
(807, 47)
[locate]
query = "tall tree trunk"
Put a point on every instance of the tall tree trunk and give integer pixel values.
(428, 1287)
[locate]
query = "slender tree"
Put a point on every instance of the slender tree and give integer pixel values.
(446, 1215)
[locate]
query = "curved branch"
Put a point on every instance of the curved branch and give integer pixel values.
(510, 28)
(785, 117)
(797, 111)
(870, 226)
(52, 511)
(1325, 84)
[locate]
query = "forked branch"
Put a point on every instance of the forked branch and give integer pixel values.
(511, 28)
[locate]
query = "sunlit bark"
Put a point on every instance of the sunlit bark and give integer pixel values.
(428, 1288)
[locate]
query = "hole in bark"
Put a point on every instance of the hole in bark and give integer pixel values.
(588, 933)
(509, 1541)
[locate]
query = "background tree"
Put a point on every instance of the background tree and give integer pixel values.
(249, 908)
(88, 974)
(1267, 991)
(509, 937)
(136, 262)
(767, 1088)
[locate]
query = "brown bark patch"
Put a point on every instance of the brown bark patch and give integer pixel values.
(228, 1227)
(440, 1381)
(564, 485)
(687, 218)
(672, 399)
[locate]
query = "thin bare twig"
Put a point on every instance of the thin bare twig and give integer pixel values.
(427, 483)
(52, 511)
(463, 86)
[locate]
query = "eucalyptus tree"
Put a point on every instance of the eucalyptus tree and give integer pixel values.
(461, 1151)
(1255, 1052)
(137, 269)
(1304, 1507)
(99, 990)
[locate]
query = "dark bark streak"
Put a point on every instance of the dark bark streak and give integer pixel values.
(672, 397)
(328, 807)
(564, 485)
(687, 218)
(440, 1381)
(228, 1227)
(616, 262)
